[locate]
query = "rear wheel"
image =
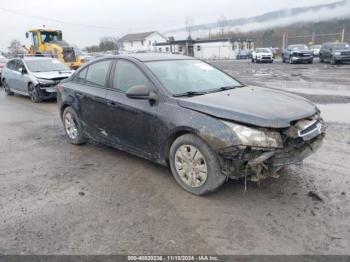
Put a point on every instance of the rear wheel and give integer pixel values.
(34, 93)
(7, 88)
(195, 166)
(72, 127)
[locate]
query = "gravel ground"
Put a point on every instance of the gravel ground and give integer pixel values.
(56, 198)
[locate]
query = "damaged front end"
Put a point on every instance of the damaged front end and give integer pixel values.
(261, 153)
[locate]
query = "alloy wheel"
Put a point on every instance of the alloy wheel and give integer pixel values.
(33, 93)
(70, 126)
(191, 165)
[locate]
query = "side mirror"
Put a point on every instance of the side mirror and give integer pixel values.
(21, 70)
(141, 92)
(27, 35)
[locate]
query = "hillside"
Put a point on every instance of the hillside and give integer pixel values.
(324, 18)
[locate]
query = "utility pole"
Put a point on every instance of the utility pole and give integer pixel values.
(343, 35)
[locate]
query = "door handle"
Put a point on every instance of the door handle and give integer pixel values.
(111, 103)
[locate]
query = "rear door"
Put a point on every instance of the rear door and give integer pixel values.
(11, 74)
(90, 89)
(132, 123)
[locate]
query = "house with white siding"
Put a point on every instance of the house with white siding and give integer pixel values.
(141, 42)
(206, 49)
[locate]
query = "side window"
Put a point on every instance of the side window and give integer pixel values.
(81, 77)
(11, 65)
(35, 40)
(19, 65)
(97, 73)
(127, 75)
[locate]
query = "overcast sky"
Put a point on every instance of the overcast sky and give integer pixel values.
(125, 16)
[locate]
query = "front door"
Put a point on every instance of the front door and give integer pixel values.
(132, 123)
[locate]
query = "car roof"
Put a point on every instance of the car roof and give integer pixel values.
(37, 58)
(148, 57)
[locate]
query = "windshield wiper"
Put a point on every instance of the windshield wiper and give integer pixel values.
(191, 93)
(224, 88)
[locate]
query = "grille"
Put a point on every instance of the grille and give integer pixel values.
(345, 53)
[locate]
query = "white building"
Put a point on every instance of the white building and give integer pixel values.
(141, 42)
(206, 49)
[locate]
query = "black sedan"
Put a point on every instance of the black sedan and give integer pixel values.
(185, 113)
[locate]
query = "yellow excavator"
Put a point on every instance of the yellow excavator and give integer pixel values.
(48, 42)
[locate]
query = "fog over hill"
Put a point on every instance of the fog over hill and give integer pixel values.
(280, 18)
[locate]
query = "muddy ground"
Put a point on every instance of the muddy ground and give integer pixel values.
(56, 198)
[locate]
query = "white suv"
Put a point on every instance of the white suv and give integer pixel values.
(262, 55)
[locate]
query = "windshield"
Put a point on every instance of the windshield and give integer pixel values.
(46, 65)
(298, 47)
(47, 37)
(340, 46)
(181, 76)
(263, 50)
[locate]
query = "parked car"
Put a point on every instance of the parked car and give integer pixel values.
(3, 61)
(316, 50)
(297, 53)
(244, 54)
(35, 77)
(335, 53)
(262, 55)
(185, 113)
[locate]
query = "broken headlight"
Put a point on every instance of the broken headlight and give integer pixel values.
(256, 137)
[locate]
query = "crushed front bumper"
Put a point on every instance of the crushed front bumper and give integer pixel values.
(300, 141)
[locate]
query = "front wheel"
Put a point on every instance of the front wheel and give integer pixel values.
(333, 61)
(34, 93)
(291, 60)
(72, 127)
(7, 89)
(195, 166)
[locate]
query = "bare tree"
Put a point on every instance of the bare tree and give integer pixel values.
(222, 22)
(106, 43)
(15, 48)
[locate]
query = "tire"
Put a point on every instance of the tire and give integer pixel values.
(34, 93)
(321, 59)
(252, 60)
(333, 61)
(7, 89)
(206, 159)
(291, 60)
(311, 62)
(72, 127)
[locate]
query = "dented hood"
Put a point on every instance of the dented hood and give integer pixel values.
(52, 74)
(252, 105)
